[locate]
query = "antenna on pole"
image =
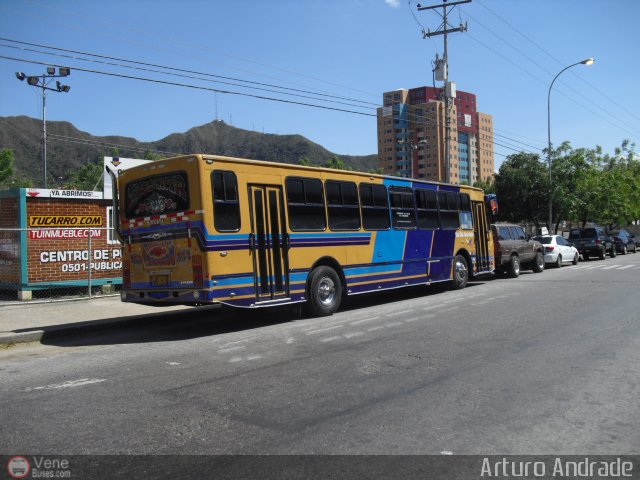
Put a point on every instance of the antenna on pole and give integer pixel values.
(441, 66)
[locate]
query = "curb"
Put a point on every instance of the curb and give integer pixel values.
(75, 329)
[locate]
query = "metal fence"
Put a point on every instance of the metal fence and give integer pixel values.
(53, 263)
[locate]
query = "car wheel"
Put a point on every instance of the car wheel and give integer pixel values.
(513, 269)
(585, 257)
(613, 252)
(538, 263)
(575, 259)
(559, 261)
(601, 254)
(460, 273)
(624, 250)
(325, 292)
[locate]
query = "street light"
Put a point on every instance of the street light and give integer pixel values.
(42, 82)
(587, 61)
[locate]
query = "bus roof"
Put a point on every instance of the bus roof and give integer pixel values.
(246, 161)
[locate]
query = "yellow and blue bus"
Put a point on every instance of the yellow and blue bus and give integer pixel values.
(205, 229)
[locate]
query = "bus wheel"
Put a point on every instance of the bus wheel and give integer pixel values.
(325, 292)
(460, 273)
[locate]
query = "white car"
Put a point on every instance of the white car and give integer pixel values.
(558, 250)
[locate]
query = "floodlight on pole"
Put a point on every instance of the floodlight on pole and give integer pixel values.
(586, 61)
(42, 82)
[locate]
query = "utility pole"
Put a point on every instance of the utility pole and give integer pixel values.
(442, 69)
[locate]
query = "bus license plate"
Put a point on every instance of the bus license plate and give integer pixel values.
(160, 280)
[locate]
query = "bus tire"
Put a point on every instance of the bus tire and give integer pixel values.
(325, 292)
(459, 273)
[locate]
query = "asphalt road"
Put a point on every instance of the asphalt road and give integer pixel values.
(544, 364)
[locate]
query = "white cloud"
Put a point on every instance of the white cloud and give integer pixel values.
(392, 3)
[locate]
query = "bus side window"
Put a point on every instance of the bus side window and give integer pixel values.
(466, 216)
(427, 206)
(226, 207)
(449, 218)
(403, 214)
(375, 206)
(342, 205)
(305, 203)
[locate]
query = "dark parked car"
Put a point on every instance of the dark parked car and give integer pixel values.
(625, 242)
(592, 241)
(514, 249)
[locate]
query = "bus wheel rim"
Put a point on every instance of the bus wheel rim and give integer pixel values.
(326, 291)
(461, 271)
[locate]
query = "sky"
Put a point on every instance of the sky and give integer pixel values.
(318, 68)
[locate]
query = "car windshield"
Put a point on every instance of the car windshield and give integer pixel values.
(543, 240)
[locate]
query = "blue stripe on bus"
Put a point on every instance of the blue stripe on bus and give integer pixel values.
(219, 242)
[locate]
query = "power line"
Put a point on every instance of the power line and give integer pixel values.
(481, 3)
(619, 126)
(173, 69)
(190, 47)
(196, 87)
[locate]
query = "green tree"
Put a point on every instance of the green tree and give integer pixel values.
(337, 163)
(151, 155)
(522, 189)
(6, 165)
(487, 186)
(8, 177)
(305, 162)
(89, 177)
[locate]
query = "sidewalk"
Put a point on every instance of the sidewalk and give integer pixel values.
(29, 322)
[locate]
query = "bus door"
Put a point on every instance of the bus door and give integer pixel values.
(269, 242)
(481, 233)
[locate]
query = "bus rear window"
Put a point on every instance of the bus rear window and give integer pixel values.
(157, 195)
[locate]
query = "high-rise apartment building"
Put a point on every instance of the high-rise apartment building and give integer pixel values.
(412, 137)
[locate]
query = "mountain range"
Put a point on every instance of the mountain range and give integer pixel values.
(69, 149)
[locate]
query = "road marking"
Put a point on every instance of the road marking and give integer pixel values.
(364, 320)
(228, 344)
(173, 364)
(68, 384)
(249, 358)
(446, 452)
(392, 324)
(432, 307)
(353, 334)
(395, 314)
(610, 267)
(232, 349)
(430, 315)
(331, 339)
(627, 266)
(313, 332)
